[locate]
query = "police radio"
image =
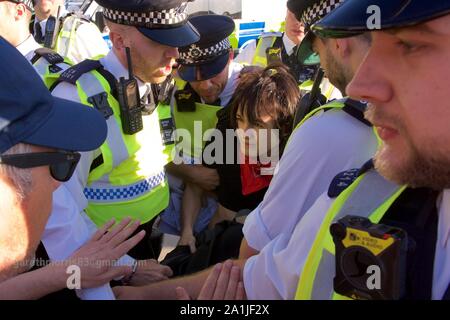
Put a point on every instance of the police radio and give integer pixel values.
(370, 259)
(51, 30)
(129, 101)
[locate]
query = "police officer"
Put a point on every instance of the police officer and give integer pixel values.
(410, 189)
(207, 80)
(14, 27)
(126, 176)
(325, 144)
(75, 37)
(279, 46)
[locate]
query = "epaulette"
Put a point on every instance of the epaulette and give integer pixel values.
(356, 109)
(51, 56)
(344, 179)
(72, 74)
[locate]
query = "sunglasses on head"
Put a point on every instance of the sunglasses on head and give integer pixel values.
(62, 163)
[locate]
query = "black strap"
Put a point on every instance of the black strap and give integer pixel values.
(415, 212)
(51, 56)
(356, 109)
(447, 294)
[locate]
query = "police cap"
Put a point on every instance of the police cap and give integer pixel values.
(163, 21)
(309, 12)
(208, 57)
(353, 16)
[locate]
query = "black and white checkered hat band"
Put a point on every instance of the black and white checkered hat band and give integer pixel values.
(319, 10)
(174, 16)
(194, 54)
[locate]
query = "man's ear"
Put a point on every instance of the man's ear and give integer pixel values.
(342, 47)
(20, 11)
(117, 40)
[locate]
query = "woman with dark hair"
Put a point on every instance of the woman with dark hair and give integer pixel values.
(261, 112)
(259, 118)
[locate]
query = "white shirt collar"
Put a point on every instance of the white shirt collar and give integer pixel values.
(288, 44)
(27, 47)
(113, 65)
(230, 87)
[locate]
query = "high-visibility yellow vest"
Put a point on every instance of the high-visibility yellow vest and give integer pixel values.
(131, 181)
(369, 196)
(197, 124)
(266, 41)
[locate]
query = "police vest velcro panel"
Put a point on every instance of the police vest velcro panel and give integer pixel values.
(370, 196)
(67, 34)
(131, 179)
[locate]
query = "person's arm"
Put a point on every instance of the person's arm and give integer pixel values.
(95, 261)
(167, 290)
(35, 284)
(245, 251)
(204, 177)
(190, 207)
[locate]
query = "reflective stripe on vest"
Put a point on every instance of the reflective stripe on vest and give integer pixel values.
(131, 180)
(118, 194)
(326, 88)
(260, 57)
(370, 196)
(67, 35)
(119, 152)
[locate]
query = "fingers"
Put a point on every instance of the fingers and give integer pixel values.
(101, 232)
(240, 294)
(209, 286)
(222, 282)
(116, 230)
(182, 294)
(166, 271)
(235, 276)
(126, 246)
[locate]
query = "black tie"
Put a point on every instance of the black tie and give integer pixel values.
(148, 101)
(38, 36)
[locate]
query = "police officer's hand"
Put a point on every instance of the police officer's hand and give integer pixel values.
(223, 283)
(149, 271)
(96, 259)
(206, 178)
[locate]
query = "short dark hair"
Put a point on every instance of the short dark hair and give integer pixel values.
(271, 91)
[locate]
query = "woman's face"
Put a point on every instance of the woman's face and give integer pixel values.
(257, 140)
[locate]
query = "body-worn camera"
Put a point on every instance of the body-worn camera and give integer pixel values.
(370, 259)
(273, 55)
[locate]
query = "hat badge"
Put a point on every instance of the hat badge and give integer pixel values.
(194, 51)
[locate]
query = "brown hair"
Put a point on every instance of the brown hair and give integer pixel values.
(271, 91)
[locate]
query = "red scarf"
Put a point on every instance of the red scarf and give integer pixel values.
(251, 178)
